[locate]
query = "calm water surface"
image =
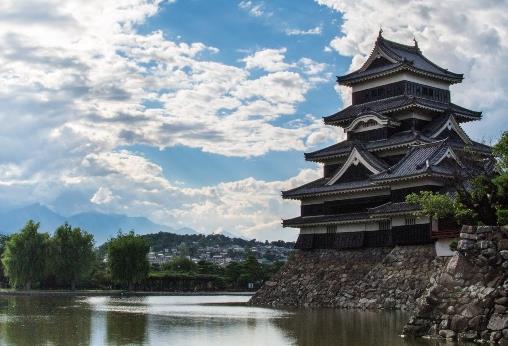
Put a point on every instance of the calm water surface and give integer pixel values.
(187, 320)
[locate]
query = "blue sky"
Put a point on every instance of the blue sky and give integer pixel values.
(196, 113)
(235, 32)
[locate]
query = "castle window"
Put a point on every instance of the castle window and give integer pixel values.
(385, 225)
(410, 221)
(331, 229)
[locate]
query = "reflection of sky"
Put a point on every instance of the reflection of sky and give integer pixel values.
(190, 320)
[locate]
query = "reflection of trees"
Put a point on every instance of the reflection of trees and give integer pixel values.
(44, 320)
(342, 327)
(126, 328)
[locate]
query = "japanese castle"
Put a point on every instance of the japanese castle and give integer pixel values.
(403, 136)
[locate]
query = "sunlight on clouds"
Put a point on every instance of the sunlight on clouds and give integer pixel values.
(78, 82)
(465, 37)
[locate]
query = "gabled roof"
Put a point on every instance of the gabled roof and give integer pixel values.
(400, 57)
(398, 103)
(359, 156)
(446, 121)
(319, 188)
(449, 122)
(421, 160)
(399, 139)
(380, 119)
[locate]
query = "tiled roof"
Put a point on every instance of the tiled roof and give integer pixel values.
(391, 208)
(392, 104)
(342, 148)
(421, 159)
(404, 58)
(323, 219)
(319, 186)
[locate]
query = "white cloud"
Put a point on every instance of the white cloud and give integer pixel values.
(271, 60)
(465, 37)
(255, 9)
(78, 82)
(102, 196)
(299, 32)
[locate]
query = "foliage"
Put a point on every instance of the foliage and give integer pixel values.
(72, 254)
(438, 205)
(481, 198)
(164, 240)
(453, 245)
(3, 240)
(181, 264)
(127, 258)
(500, 150)
(25, 255)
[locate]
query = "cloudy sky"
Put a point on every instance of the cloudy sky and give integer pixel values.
(196, 112)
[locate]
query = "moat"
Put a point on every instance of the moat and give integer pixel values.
(188, 320)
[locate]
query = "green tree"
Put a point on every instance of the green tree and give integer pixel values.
(72, 255)
(482, 194)
(25, 256)
(437, 205)
(181, 265)
(501, 181)
(127, 258)
(3, 240)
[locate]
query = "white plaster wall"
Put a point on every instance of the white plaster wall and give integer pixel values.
(443, 248)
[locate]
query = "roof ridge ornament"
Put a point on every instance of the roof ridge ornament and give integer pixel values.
(380, 34)
(416, 44)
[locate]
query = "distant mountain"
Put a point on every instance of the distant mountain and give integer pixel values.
(230, 234)
(102, 226)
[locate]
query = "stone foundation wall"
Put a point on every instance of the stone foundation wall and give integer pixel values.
(371, 278)
(469, 299)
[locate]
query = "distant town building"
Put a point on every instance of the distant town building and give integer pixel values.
(403, 136)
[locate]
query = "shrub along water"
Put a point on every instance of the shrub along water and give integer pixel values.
(67, 259)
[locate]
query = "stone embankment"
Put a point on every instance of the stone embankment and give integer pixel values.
(373, 278)
(468, 301)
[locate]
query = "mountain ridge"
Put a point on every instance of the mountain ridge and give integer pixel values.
(101, 225)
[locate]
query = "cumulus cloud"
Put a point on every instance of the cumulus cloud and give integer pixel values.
(271, 60)
(299, 32)
(102, 196)
(465, 37)
(78, 82)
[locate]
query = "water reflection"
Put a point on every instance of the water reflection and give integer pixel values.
(126, 328)
(188, 320)
(43, 321)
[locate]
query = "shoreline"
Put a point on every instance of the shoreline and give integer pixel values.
(8, 292)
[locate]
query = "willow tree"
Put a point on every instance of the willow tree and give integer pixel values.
(127, 259)
(25, 256)
(72, 255)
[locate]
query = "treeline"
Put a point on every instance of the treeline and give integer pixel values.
(246, 274)
(68, 259)
(163, 240)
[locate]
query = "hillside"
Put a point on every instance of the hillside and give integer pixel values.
(102, 226)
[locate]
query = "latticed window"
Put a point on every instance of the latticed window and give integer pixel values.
(331, 229)
(385, 225)
(410, 221)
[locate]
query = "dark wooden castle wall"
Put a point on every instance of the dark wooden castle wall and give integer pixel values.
(402, 235)
(401, 88)
(343, 206)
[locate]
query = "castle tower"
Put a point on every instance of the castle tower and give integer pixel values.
(403, 136)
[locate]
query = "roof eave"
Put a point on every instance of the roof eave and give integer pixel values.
(349, 80)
